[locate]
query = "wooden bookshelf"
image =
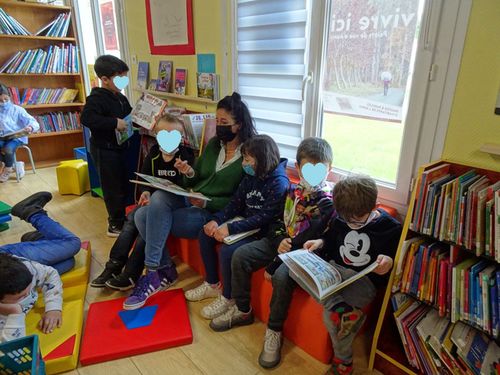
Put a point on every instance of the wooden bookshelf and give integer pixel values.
(48, 148)
(387, 352)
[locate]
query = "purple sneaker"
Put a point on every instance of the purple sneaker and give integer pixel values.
(168, 277)
(148, 285)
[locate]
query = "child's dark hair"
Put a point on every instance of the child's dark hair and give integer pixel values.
(4, 90)
(265, 152)
(316, 150)
(239, 110)
(355, 196)
(109, 65)
(14, 275)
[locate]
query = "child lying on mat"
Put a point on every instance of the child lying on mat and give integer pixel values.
(19, 281)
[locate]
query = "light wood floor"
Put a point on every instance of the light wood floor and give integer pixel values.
(232, 352)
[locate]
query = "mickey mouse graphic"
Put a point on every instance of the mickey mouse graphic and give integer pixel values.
(355, 248)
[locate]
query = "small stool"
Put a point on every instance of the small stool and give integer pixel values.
(30, 156)
(73, 177)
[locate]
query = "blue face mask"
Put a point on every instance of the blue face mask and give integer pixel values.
(248, 169)
(120, 82)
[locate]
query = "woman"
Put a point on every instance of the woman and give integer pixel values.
(13, 118)
(216, 174)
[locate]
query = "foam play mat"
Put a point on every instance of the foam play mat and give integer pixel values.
(162, 323)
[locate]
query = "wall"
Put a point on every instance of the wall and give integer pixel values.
(472, 121)
(212, 31)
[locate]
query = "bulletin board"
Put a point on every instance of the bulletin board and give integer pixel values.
(170, 27)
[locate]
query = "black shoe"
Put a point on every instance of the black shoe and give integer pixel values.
(31, 205)
(121, 282)
(114, 230)
(111, 269)
(31, 236)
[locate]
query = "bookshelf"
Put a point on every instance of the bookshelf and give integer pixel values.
(388, 349)
(48, 148)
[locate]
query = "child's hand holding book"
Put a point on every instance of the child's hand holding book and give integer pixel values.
(384, 264)
(121, 125)
(210, 228)
(221, 233)
(313, 245)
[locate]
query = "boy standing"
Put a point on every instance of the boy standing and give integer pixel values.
(308, 209)
(103, 113)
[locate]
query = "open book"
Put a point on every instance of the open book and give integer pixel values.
(232, 238)
(147, 110)
(316, 276)
(164, 184)
(13, 135)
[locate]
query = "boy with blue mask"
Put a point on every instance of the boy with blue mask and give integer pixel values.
(103, 113)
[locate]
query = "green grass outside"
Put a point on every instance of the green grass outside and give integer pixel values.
(364, 146)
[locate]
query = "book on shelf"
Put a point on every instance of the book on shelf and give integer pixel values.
(208, 85)
(147, 110)
(233, 238)
(142, 75)
(316, 276)
(33, 96)
(122, 136)
(180, 81)
(57, 28)
(167, 185)
(193, 128)
(10, 26)
(13, 135)
(58, 121)
(152, 84)
(164, 82)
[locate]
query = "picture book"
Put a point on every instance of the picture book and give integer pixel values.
(164, 76)
(147, 110)
(152, 84)
(122, 136)
(142, 75)
(232, 238)
(180, 81)
(167, 185)
(316, 276)
(208, 85)
(193, 128)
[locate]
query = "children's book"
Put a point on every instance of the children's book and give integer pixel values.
(122, 136)
(208, 86)
(148, 110)
(229, 240)
(152, 84)
(142, 75)
(164, 76)
(316, 276)
(193, 128)
(167, 185)
(180, 81)
(13, 135)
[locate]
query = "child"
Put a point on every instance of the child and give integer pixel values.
(51, 244)
(259, 200)
(19, 281)
(158, 163)
(358, 236)
(13, 118)
(103, 113)
(308, 209)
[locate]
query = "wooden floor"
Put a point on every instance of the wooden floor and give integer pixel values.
(232, 352)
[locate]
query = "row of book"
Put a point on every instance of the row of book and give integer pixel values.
(52, 59)
(459, 285)
(58, 28)
(42, 95)
(58, 121)
(435, 345)
(10, 26)
(464, 209)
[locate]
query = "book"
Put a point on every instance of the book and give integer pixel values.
(208, 85)
(152, 84)
(122, 136)
(142, 75)
(13, 135)
(164, 76)
(180, 81)
(147, 110)
(167, 185)
(316, 276)
(193, 128)
(232, 238)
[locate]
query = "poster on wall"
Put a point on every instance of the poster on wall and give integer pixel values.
(108, 26)
(170, 27)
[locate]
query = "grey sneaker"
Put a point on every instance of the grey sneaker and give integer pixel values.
(270, 356)
(216, 308)
(202, 292)
(231, 318)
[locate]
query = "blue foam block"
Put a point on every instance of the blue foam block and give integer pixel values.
(138, 318)
(5, 218)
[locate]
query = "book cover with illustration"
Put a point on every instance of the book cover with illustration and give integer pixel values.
(180, 81)
(208, 86)
(164, 76)
(142, 75)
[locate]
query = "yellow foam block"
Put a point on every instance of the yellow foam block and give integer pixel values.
(80, 272)
(73, 177)
(72, 326)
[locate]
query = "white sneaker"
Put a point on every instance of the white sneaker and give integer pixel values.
(270, 356)
(4, 176)
(202, 292)
(20, 169)
(217, 307)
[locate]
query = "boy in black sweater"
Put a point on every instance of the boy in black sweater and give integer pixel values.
(158, 163)
(103, 113)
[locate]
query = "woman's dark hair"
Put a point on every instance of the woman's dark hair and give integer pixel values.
(265, 152)
(239, 111)
(109, 65)
(14, 275)
(4, 90)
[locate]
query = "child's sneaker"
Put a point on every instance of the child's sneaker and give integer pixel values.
(203, 291)
(168, 276)
(148, 285)
(4, 176)
(216, 308)
(113, 231)
(347, 321)
(111, 269)
(121, 282)
(340, 367)
(231, 318)
(270, 356)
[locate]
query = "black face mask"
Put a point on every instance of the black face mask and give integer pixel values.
(224, 133)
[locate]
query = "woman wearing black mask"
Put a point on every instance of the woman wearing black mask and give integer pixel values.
(216, 174)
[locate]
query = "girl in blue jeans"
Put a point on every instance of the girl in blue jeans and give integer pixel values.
(216, 174)
(258, 200)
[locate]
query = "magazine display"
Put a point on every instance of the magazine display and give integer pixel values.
(316, 276)
(147, 110)
(164, 184)
(232, 238)
(193, 128)
(122, 136)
